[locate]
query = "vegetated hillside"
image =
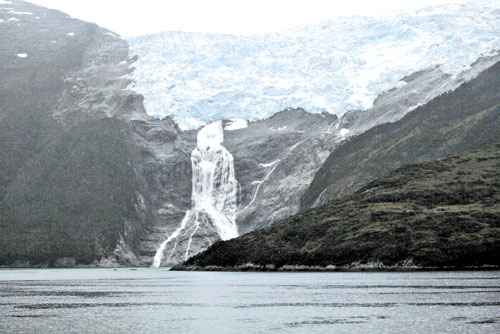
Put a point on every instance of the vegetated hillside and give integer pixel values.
(433, 214)
(464, 119)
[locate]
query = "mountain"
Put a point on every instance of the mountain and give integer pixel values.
(464, 119)
(441, 213)
(68, 181)
(339, 66)
(89, 175)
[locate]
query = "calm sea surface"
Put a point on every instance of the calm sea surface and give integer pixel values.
(158, 301)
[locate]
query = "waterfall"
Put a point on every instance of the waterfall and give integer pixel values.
(214, 193)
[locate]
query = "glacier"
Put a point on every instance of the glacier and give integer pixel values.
(336, 66)
(214, 196)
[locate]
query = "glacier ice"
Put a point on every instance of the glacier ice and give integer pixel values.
(214, 194)
(337, 66)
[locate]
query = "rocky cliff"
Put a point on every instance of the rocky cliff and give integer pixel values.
(70, 190)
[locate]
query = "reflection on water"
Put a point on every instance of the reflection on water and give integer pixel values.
(158, 301)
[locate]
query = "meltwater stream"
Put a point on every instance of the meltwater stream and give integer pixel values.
(214, 196)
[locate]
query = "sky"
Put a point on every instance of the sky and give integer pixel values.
(140, 17)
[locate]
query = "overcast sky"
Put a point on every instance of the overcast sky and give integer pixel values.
(138, 17)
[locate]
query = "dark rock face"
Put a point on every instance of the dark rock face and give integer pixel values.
(454, 122)
(46, 57)
(38, 51)
(440, 213)
(78, 198)
(70, 182)
(35, 55)
(165, 165)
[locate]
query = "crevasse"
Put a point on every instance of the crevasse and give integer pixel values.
(214, 193)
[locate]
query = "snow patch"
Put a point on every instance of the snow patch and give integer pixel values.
(13, 12)
(400, 84)
(344, 132)
(5, 2)
(13, 19)
(271, 164)
(293, 147)
(70, 34)
(237, 124)
(211, 135)
(22, 55)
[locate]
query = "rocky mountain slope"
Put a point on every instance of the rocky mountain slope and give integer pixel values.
(442, 213)
(69, 186)
(274, 159)
(337, 66)
(464, 119)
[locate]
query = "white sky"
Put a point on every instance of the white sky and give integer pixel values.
(138, 17)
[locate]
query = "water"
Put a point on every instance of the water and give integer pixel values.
(159, 301)
(214, 200)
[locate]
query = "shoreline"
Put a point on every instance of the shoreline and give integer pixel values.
(346, 269)
(269, 270)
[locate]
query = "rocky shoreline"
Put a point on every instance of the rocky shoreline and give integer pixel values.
(352, 268)
(270, 268)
